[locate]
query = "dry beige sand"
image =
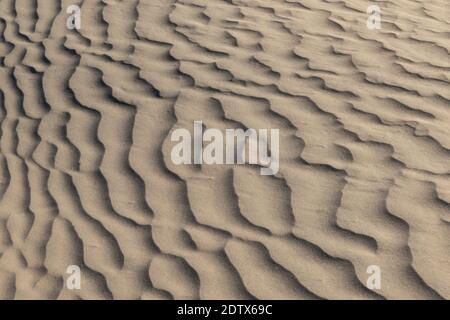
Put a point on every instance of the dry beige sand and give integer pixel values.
(86, 176)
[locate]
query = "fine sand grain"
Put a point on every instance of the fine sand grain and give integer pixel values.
(86, 176)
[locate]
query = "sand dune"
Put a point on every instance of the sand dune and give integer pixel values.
(86, 176)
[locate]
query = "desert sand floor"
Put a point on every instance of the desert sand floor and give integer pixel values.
(86, 176)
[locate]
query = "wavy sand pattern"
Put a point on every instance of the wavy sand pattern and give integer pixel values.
(87, 179)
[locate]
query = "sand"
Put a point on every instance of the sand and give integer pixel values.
(86, 177)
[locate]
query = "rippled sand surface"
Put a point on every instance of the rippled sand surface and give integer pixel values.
(86, 176)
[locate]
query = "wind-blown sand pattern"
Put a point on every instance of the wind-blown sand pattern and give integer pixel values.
(87, 178)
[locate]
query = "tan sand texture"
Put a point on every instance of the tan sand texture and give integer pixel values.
(86, 176)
